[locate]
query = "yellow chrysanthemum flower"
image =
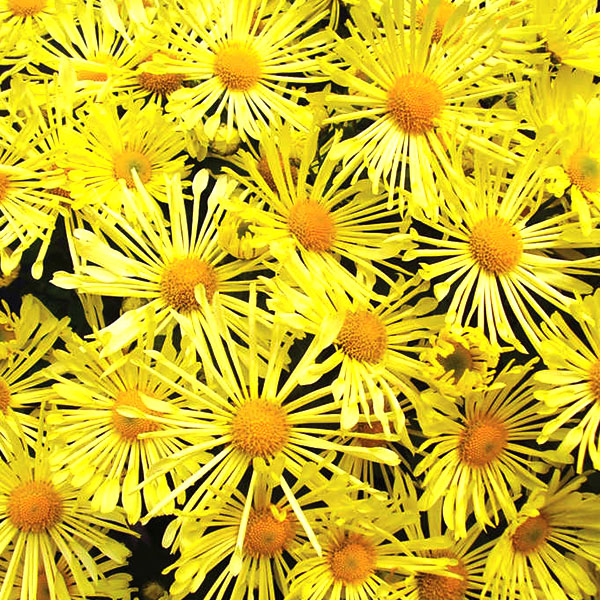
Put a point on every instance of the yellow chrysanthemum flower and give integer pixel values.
(105, 146)
(258, 421)
(579, 172)
(460, 360)
(372, 340)
(421, 99)
(498, 255)
(102, 408)
(24, 353)
(481, 460)
(361, 552)
(260, 544)
(305, 209)
(572, 391)
(242, 56)
(177, 264)
(43, 519)
(530, 559)
(23, 21)
(108, 584)
(27, 176)
(465, 580)
(570, 31)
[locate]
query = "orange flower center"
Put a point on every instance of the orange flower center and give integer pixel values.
(238, 67)
(414, 101)
(531, 534)
(34, 506)
(363, 337)
(482, 441)
(594, 380)
(124, 163)
(4, 395)
(370, 430)
(495, 245)
(353, 560)
(444, 11)
(584, 171)
(26, 8)
(459, 361)
(160, 83)
(128, 427)
(181, 277)
(313, 225)
(260, 428)
(267, 535)
(4, 185)
(442, 587)
(98, 70)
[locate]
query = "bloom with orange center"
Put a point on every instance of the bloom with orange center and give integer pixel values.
(474, 464)
(570, 384)
(298, 208)
(175, 263)
(413, 102)
(45, 519)
(498, 257)
(257, 424)
(418, 97)
(356, 561)
(238, 67)
(543, 550)
(108, 411)
(463, 580)
(244, 542)
(106, 147)
(373, 343)
(242, 67)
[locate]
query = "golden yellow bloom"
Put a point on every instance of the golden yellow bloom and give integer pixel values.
(102, 409)
(420, 99)
(43, 519)
(175, 263)
(497, 256)
(571, 393)
(241, 58)
(480, 461)
(531, 556)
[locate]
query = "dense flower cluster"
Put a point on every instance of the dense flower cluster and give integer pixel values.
(336, 266)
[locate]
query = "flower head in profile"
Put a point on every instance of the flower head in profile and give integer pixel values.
(479, 461)
(241, 59)
(532, 558)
